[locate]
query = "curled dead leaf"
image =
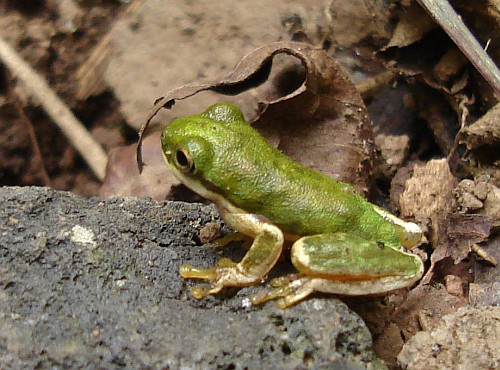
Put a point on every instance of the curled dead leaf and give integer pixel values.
(412, 27)
(123, 178)
(322, 122)
(476, 147)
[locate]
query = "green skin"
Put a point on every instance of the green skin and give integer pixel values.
(342, 243)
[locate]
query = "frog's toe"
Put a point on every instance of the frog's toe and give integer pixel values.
(224, 274)
(192, 272)
(286, 290)
(283, 281)
(267, 295)
(201, 291)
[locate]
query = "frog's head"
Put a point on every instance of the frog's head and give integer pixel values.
(196, 147)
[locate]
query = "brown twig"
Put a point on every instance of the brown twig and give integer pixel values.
(368, 86)
(452, 24)
(483, 254)
(37, 154)
(72, 128)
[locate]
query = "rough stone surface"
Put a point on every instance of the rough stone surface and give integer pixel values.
(86, 283)
(466, 339)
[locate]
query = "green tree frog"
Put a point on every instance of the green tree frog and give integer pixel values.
(342, 244)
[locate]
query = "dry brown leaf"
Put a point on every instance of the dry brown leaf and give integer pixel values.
(484, 132)
(465, 230)
(476, 147)
(321, 123)
(123, 178)
(456, 236)
(458, 233)
(412, 27)
(436, 61)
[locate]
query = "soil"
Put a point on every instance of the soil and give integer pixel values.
(34, 27)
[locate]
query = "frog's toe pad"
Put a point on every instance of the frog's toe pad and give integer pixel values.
(202, 291)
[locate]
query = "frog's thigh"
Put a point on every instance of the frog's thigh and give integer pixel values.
(350, 265)
(263, 253)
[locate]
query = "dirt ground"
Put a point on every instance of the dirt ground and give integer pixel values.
(39, 30)
(433, 146)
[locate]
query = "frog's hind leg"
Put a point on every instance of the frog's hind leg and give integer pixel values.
(343, 264)
(289, 290)
(259, 259)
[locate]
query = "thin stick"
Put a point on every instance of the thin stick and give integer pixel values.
(483, 254)
(37, 154)
(74, 130)
(450, 21)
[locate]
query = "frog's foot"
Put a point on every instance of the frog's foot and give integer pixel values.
(226, 273)
(259, 259)
(287, 290)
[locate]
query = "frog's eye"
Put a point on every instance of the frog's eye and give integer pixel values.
(183, 161)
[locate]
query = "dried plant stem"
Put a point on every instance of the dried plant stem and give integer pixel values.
(483, 254)
(59, 112)
(37, 154)
(450, 21)
(370, 85)
(37, 160)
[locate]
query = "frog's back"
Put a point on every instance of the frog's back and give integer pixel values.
(232, 160)
(299, 200)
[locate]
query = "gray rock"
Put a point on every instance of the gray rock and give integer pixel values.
(86, 283)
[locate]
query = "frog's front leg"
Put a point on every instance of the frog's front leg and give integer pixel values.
(260, 258)
(343, 264)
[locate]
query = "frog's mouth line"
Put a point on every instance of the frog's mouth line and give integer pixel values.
(199, 187)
